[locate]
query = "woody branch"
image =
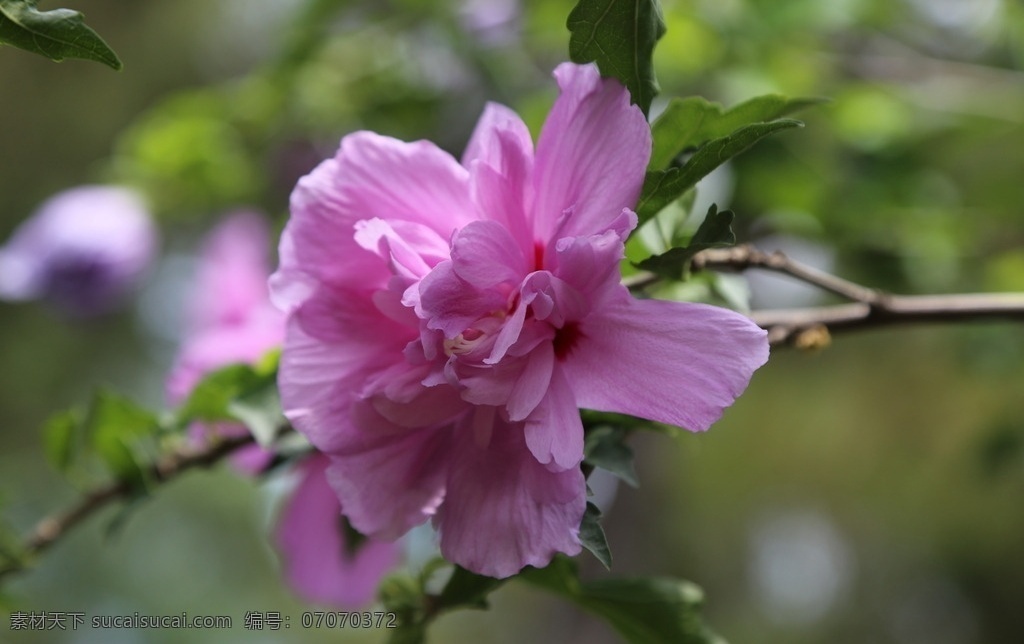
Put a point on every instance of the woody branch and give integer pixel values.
(867, 308)
(52, 528)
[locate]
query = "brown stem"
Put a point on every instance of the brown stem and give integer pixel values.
(746, 256)
(52, 528)
(788, 325)
(812, 327)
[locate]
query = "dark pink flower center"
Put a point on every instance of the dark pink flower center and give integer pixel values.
(566, 339)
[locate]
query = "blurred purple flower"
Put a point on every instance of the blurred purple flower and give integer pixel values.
(492, 22)
(448, 320)
(83, 250)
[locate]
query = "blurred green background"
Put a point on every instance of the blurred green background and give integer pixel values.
(868, 493)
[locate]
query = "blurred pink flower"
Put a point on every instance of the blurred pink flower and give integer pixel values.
(447, 321)
(83, 250)
(231, 319)
(323, 561)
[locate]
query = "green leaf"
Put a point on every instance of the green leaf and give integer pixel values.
(561, 577)
(466, 589)
(403, 596)
(592, 535)
(407, 598)
(605, 447)
(650, 610)
(60, 436)
(115, 427)
(620, 36)
(239, 392)
(56, 34)
(661, 187)
(260, 411)
(689, 122)
(714, 232)
(643, 610)
(12, 550)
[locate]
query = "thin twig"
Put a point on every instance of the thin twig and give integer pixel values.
(746, 256)
(787, 325)
(812, 327)
(869, 307)
(52, 528)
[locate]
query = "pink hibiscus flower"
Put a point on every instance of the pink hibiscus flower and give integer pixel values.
(447, 321)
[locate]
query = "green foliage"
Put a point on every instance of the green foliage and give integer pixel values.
(240, 392)
(643, 610)
(466, 589)
(605, 447)
(124, 437)
(191, 154)
(61, 440)
(662, 187)
(56, 34)
(620, 36)
(114, 432)
(404, 596)
(714, 232)
(415, 607)
(592, 535)
(115, 428)
(12, 551)
(689, 122)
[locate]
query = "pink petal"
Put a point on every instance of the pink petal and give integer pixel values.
(490, 385)
(504, 510)
(390, 479)
(498, 131)
(591, 156)
(552, 299)
(318, 380)
(372, 176)
(591, 264)
(383, 177)
(356, 318)
(554, 431)
(451, 304)
(532, 385)
(318, 244)
(411, 249)
(485, 255)
(317, 563)
(233, 270)
(500, 159)
(676, 363)
(252, 459)
(430, 406)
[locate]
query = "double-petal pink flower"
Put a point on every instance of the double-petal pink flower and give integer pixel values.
(447, 321)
